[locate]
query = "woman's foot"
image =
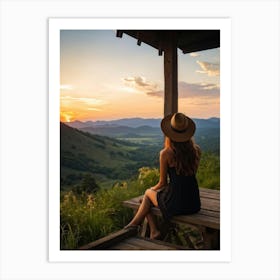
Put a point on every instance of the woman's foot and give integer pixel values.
(155, 235)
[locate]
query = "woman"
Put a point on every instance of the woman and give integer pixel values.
(177, 190)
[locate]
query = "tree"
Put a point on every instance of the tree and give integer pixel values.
(88, 184)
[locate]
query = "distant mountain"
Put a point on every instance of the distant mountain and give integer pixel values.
(129, 122)
(203, 123)
(137, 122)
(148, 132)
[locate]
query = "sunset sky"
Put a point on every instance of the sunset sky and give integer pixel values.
(104, 77)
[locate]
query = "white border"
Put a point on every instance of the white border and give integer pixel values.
(55, 254)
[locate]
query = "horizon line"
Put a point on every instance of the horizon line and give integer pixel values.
(108, 120)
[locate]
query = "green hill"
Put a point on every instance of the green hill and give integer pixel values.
(106, 159)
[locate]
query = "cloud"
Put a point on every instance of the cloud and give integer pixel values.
(140, 83)
(66, 87)
(158, 93)
(94, 109)
(198, 90)
(211, 69)
(194, 54)
(85, 100)
(187, 90)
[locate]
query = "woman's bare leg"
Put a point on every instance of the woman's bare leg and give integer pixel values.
(144, 211)
(152, 195)
(154, 232)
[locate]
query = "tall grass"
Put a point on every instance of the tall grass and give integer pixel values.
(88, 217)
(208, 174)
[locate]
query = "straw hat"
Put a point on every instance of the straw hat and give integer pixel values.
(178, 127)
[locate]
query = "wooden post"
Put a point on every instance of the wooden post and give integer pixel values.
(170, 75)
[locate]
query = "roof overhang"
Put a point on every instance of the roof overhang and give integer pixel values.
(186, 40)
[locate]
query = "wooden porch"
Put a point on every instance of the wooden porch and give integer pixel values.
(128, 239)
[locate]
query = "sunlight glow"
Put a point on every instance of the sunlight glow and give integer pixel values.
(103, 77)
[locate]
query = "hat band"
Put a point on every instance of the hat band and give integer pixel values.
(179, 131)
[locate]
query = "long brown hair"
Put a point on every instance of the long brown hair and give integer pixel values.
(186, 154)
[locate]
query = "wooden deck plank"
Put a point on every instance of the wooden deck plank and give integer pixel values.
(209, 219)
(110, 240)
(208, 193)
(135, 243)
(206, 204)
(148, 245)
(198, 219)
(208, 216)
(124, 246)
(210, 213)
(175, 246)
(210, 204)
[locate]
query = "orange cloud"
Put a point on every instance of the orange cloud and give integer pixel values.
(211, 69)
(140, 83)
(187, 90)
(72, 108)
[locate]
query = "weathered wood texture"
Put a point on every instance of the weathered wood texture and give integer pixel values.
(136, 243)
(208, 216)
(170, 76)
(110, 240)
(126, 240)
(186, 40)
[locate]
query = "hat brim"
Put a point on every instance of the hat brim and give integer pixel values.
(174, 135)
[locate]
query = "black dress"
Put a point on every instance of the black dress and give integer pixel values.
(180, 196)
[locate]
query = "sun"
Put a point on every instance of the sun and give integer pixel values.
(64, 117)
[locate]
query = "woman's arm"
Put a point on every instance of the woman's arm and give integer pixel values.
(163, 166)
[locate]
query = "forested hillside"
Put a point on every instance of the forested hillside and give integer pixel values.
(104, 158)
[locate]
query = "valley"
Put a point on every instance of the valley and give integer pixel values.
(114, 151)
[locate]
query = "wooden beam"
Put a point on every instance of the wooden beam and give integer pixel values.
(110, 240)
(119, 34)
(170, 76)
(196, 46)
(148, 37)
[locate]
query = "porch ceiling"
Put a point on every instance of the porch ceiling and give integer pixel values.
(186, 40)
